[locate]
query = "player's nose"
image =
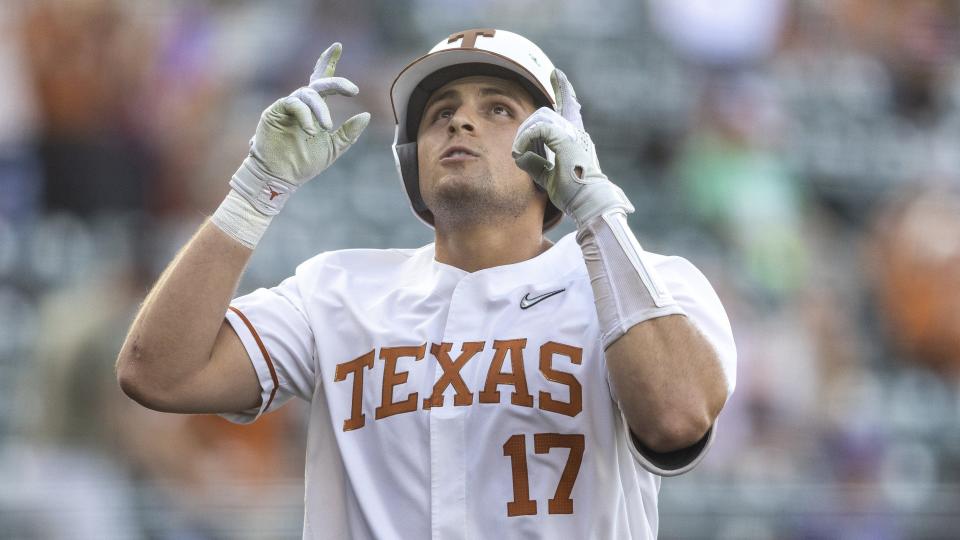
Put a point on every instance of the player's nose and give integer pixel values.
(461, 121)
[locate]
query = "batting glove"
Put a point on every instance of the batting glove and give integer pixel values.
(573, 180)
(294, 142)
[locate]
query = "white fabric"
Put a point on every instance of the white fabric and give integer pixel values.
(240, 220)
(443, 472)
(627, 288)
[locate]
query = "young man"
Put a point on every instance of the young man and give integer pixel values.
(487, 385)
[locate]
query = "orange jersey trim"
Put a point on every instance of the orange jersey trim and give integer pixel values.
(263, 350)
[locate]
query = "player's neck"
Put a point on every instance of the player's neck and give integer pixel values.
(489, 245)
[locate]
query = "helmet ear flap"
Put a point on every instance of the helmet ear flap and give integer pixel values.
(409, 169)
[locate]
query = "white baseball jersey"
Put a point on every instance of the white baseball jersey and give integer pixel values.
(448, 404)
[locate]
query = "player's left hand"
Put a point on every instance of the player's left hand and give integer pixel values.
(573, 181)
(295, 140)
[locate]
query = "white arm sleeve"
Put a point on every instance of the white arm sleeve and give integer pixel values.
(278, 338)
(700, 303)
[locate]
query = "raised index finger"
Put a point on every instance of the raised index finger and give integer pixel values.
(567, 102)
(327, 63)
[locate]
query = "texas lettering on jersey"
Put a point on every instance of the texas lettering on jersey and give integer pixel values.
(464, 396)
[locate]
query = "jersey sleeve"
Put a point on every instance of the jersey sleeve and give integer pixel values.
(702, 306)
(273, 326)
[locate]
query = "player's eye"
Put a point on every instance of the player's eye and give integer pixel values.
(500, 109)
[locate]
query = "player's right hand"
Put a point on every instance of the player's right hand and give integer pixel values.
(574, 181)
(295, 140)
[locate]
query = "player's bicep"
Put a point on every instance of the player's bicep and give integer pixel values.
(277, 336)
(230, 363)
(227, 383)
(703, 308)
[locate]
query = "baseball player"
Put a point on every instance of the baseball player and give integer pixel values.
(488, 385)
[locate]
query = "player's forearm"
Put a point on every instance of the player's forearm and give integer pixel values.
(173, 335)
(669, 382)
(667, 376)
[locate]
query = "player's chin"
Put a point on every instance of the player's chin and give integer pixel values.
(466, 178)
(461, 187)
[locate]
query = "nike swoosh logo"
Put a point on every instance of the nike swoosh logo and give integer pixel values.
(527, 302)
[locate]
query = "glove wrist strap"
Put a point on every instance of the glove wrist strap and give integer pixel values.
(597, 198)
(627, 289)
(240, 219)
(265, 192)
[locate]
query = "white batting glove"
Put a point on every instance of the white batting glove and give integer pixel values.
(573, 181)
(294, 142)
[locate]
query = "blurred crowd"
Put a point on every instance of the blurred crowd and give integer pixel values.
(805, 154)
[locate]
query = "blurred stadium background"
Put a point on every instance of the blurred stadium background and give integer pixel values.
(804, 153)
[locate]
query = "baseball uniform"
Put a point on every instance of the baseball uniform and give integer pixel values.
(448, 404)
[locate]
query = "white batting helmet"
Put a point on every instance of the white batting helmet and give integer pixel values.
(479, 51)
